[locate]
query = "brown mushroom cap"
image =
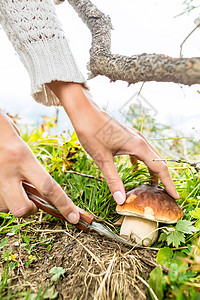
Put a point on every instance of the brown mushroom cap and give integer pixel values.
(151, 202)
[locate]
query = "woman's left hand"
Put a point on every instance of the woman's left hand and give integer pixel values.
(103, 138)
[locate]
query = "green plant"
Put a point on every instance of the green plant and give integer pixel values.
(8, 223)
(177, 273)
(57, 271)
(42, 293)
(182, 280)
(176, 235)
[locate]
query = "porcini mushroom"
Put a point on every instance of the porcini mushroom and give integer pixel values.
(144, 207)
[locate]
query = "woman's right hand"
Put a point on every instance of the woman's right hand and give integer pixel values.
(18, 163)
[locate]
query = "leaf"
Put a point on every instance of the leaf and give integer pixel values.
(195, 214)
(3, 242)
(74, 136)
(175, 238)
(197, 224)
(181, 263)
(173, 273)
(11, 265)
(163, 237)
(74, 144)
(50, 293)
(6, 255)
(57, 271)
(26, 239)
(164, 255)
(57, 160)
(155, 281)
(32, 257)
(185, 226)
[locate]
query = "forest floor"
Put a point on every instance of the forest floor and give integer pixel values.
(94, 266)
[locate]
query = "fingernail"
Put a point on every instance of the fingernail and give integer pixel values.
(119, 197)
(73, 218)
(177, 197)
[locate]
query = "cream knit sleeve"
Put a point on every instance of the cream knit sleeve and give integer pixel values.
(37, 36)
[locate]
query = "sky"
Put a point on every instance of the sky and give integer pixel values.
(139, 26)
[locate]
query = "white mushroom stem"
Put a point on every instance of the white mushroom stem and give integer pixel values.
(141, 231)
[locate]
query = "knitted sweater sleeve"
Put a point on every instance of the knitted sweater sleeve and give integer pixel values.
(37, 36)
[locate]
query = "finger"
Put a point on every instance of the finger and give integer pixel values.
(134, 162)
(12, 123)
(166, 179)
(51, 191)
(136, 134)
(141, 135)
(138, 147)
(17, 201)
(113, 180)
(3, 207)
(160, 169)
(15, 127)
(153, 176)
(157, 169)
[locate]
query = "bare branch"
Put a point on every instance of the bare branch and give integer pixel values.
(84, 175)
(185, 39)
(136, 68)
(192, 164)
(154, 264)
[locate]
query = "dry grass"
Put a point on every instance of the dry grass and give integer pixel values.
(96, 268)
(101, 269)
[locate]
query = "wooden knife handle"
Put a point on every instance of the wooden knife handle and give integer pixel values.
(41, 203)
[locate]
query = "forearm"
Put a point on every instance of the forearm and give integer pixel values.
(71, 94)
(8, 129)
(77, 102)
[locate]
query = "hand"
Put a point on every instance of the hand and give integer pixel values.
(103, 138)
(18, 163)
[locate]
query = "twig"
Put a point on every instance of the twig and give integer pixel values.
(103, 283)
(41, 216)
(184, 180)
(194, 164)
(84, 175)
(88, 250)
(181, 248)
(192, 284)
(154, 264)
(148, 286)
(49, 230)
(140, 90)
(24, 276)
(181, 45)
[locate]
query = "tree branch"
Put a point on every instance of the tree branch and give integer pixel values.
(84, 175)
(136, 68)
(192, 164)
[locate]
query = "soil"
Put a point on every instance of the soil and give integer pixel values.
(96, 267)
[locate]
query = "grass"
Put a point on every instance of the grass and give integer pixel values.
(179, 245)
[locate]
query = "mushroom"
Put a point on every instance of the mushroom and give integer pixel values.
(146, 206)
